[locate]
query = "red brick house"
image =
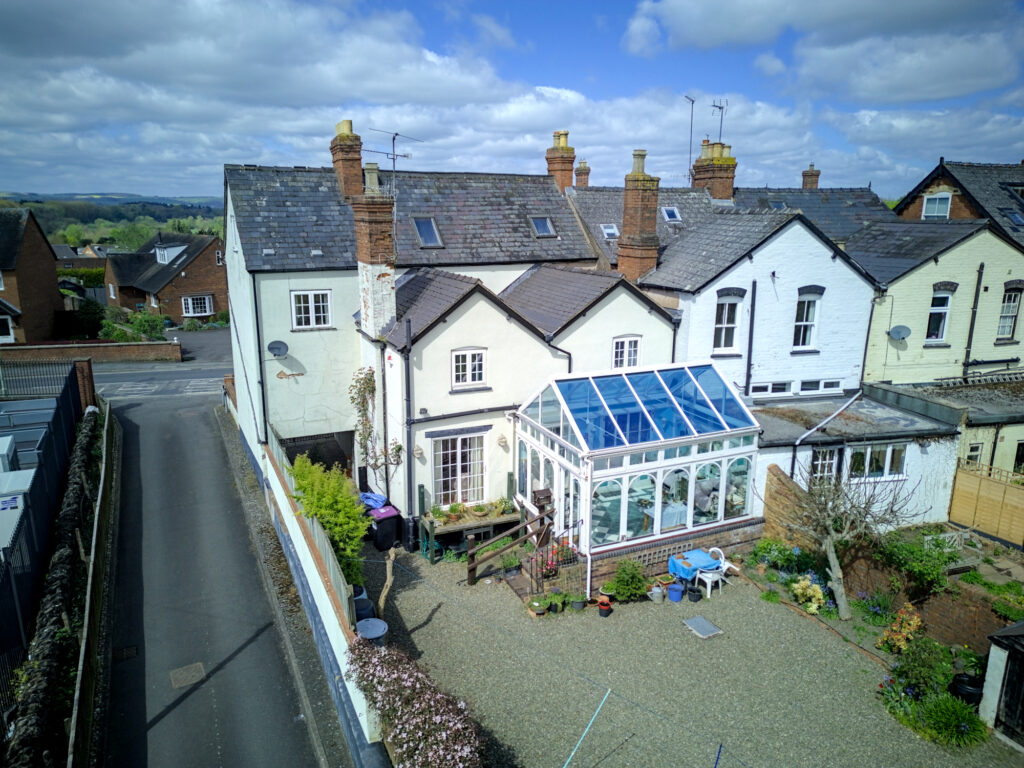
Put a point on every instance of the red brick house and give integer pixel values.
(173, 274)
(28, 279)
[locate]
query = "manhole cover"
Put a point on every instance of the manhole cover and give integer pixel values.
(128, 652)
(185, 676)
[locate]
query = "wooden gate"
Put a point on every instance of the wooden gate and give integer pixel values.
(989, 500)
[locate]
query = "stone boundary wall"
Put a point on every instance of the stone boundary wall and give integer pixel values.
(99, 352)
(781, 494)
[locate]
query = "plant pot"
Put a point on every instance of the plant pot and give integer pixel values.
(609, 594)
(538, 610)
(554, 607)
(604, 606)
(579, 605)
(968, 688)
(694, 594)
(452, 519)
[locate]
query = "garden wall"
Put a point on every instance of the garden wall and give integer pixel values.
(950, 619)
(100, 352)
(781, 494)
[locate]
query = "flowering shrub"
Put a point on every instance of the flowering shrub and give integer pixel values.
(427, 728)
(876, 608)
(901, 631)
(808, 594)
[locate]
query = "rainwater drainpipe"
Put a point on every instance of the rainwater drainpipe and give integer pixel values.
(750, 337)
(384, 420)
(675, 332)
(974, 317)
(412, 512)
(259, 359)
(565, 352)
(815, 428)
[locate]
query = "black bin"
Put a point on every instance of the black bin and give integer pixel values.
(385, 527)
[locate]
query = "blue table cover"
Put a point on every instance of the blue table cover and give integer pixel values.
(698, 559)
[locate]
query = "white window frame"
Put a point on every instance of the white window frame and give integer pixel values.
(438, 242)
(869, 449)
(188, 305)
(1008, 313)
(936, 198)
(153, 302)
(723, 325)
(824, 462)
(313, 319)
(548, 224)
(943, 311)
(220, 258)
(626, 351)
(805, 329)
(610, 231)
(974, 452)
(9, 337)
(113, 293)
(1, 281)
(467, 372)
(771, 388)
(462, 489)
(671, 214)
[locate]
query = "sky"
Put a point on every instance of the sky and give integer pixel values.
(153, 97)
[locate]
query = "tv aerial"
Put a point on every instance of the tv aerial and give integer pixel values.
(721, 105)
(393, 155)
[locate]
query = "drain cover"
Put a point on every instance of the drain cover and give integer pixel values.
(185, 676)
(128, 652)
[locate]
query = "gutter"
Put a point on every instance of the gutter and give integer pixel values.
(459, 414)
(815, 428)
(565, 352)
(974, 318)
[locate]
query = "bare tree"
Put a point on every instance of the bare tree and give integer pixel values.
(836, 510)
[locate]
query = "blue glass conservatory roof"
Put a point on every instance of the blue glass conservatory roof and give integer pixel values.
(632, 407)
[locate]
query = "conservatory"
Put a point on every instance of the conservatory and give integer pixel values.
(636, 456)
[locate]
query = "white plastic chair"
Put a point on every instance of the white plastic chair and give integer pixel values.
(710, 578)
(718, 555)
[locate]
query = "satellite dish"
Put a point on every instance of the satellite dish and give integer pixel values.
(899, 332)
(277, 348)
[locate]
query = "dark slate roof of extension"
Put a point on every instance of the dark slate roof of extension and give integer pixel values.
(553, 297)
(293, 219)
(64, 252)
(603, 205)
(888, 250)
(713, 246)
(141, 270)
(836, 211)
(12, 229)
(424, 296)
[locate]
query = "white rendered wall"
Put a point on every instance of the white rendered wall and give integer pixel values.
(993, 690)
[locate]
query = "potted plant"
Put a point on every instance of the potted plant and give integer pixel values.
(549, 568)
(629, 581)
(510, 564)
(556, 601)
(480, 510)
(577, 600)
(608, 589)
(539, 605)
(437, 513)
(455, 511)
(505, 506)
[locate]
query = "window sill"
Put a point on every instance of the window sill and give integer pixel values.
(464, 390)
(725, 355)
(805, 352)
(314, 328)
(935, 345)
(1005, 342)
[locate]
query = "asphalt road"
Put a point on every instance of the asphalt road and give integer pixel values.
(199, 677)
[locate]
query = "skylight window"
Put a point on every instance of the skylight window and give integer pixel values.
(542, 226)
(671, 213)
(1015, 217)
(610, 231)
(426, 229)
(776, 205)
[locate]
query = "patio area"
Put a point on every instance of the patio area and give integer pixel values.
(775, 688)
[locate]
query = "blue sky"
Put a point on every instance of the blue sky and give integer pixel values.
(155, 97)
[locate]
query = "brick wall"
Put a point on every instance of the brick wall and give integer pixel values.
(203, 276)
(964, 619)
(959, 207)
(100, 352)
(32, 287)
(638, 241)
(781, 494)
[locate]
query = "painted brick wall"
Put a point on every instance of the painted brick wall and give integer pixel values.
(203, 276)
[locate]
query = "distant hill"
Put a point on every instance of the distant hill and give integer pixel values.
(115, 198)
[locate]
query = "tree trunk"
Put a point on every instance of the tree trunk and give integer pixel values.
(835, 574)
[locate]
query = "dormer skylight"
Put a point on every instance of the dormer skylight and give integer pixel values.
(542, 226)
(1014, 216)
(427, 232)
(671, 214)
(611, 231)
(776, 205)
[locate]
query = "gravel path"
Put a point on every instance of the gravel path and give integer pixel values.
(776, 688)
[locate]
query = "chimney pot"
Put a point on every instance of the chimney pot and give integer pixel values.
(372, 176)
(347, 157)
(810, 177)
(714, 170)
(561, 158)
(344, 128)
(582, 175)
(638, 161)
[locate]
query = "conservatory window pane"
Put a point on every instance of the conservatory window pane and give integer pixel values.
(568, 433)
(737, 483)
(659, 404)
(550, 410)
(604, 513)
(535, 478)
(594, 422)
(693, 403)
(675, 495)
(721, 398)
(532, 411)
(522, 468)
(640, 507)
(706, 490)
(627, 411)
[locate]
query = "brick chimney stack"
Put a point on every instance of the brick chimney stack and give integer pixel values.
(715, 170)
(582, 175)
(372, 213)
(561, 158)
(811, 177)
(638, 241)
(347, 155)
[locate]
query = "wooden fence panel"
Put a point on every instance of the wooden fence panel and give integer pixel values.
(1011, 523)
(989, 502)
(965, 498)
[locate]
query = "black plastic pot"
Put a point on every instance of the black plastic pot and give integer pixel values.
(967, 688)
(694, 594)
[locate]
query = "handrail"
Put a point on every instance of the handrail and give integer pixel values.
(471, 552)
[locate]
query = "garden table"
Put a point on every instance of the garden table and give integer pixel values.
(686, 565)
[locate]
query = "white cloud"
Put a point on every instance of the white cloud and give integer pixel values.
(492, 33)
(769, 64)
(642, 38)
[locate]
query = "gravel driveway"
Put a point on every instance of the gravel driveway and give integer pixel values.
(776, 688)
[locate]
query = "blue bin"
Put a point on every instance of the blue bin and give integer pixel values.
(373, 630)
(675, 592)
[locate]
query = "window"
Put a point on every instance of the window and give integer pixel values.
(803, 331)
(542, 226)
(113, 294)
(427, 232)
(626, 352)
(153, 302)
(1008, 315)
(459, 470)
(468, 368)
(810, 386)
(874, 462)
(610, 231)
(1018, 459)
(163, 255)
(936, 206)
(671, 213)
(220, 258)
(937, 316)
(6, 329)
(776, 205)
(974, 453)
(824, 462)
(2, 282)
(193, 306)
(725, 324)
(311, 309)
(774, 388)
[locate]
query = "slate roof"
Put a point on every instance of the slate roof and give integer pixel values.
(552, 297)
(836, 211)
(783, 422)
(64, 252)
(715, 244)
(141, 270)
(424, 296)
(12, 229)
(888, 250)
(603, 205)
(293, 219)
